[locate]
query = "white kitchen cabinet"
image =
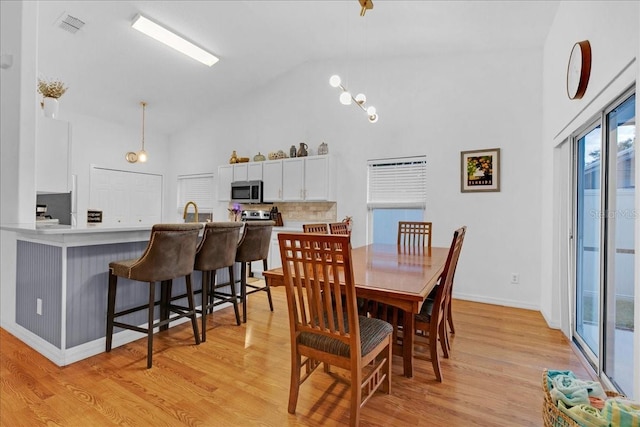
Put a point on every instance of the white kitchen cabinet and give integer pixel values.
(240, 172)
(225, 177)
(254, 171)
(272, 181)
(293, 179)
(308, 178)
(52, 156)
(319, 179)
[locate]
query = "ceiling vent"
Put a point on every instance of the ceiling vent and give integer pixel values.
(70, 23)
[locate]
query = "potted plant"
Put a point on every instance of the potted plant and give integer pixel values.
(51, 91)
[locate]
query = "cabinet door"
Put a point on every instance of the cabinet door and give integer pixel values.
(293, 179)
(255, 171)
(145, 191)
(272, 181)
(317, 178)
(52, 156)
(274, 253)
(225, 176)
(240, 172)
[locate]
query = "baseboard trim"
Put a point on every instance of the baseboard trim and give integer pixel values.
(496, 301)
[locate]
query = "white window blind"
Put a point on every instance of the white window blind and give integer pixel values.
(399, 182)
(196, 188)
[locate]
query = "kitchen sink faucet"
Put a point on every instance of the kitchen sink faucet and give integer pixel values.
(184, 214)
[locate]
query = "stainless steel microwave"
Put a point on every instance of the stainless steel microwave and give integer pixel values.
(246, 191)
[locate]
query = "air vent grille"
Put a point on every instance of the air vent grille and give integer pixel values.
(71, 24)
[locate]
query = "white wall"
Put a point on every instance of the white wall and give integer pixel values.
(436, 106)
(612, 29)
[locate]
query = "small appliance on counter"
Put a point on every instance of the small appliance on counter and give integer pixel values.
(42, 217)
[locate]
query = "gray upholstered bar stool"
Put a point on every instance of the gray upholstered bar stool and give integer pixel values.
(254, 246)
(170, 254)
(217, 249)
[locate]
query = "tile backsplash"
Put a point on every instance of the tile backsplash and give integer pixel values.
(301, 211)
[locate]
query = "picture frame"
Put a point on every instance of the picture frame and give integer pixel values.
(480, 170)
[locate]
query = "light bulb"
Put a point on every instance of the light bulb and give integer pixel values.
(371, 110)
(361, 98)
(142, 156)
(345, 98)
(373, 118)
(335, 80)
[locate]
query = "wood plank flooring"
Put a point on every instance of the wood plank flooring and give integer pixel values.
(240, 377)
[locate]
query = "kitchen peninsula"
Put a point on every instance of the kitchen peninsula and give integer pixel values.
(61, 286)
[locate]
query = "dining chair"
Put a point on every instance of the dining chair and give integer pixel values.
(338, 228)
(254, 246)
(324, 326)
(170, 254)
(414, 234)
(431, 321)
(321, 228)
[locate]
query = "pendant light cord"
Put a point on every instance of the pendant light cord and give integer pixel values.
(144, 104)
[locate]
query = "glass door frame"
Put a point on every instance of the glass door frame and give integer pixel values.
(607, 156)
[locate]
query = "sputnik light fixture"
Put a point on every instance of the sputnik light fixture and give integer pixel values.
(360, 99)
(141, 156)
(171, 39)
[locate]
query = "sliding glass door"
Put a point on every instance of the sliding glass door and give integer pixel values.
(604, 227)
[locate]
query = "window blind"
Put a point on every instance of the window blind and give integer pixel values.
(399, 182)
(196, 188)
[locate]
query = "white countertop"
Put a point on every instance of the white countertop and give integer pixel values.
(39, 229)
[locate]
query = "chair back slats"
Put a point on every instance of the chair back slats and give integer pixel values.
(321, 228)
(318, 306)
(338, 228)
(413, 233)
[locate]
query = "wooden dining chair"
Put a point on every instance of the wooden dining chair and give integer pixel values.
(339, 228)
(321, 228)
(324, 326)
(431, 321)
(414, 233)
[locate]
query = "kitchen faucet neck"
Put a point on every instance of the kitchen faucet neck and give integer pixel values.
(186, 207)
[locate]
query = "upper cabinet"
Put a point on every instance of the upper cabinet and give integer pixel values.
(52, 156)
(272, 181)
(288, 180)
(308, 179)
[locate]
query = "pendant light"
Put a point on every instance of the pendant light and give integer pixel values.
(140, 156)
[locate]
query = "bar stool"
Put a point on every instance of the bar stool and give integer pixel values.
(254, 246)
(170, 254)
(217, 249)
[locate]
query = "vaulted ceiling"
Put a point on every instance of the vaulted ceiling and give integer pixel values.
(110, 68)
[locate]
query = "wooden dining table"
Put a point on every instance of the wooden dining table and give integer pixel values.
(395, 275)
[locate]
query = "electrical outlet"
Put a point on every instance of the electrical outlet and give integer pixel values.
(39, 306)
(515, 278)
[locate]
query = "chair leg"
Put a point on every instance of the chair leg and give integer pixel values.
(205, 303)
(165, 300)
(444, 338)
(152, 301)
(268, 289)
(232, 284)
(243, 290)
(450, 317)
(111, 307)
(294, 384)
(192, 309)
(433, 347)
(356, 398)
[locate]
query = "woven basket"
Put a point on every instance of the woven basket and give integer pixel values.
(552, 415)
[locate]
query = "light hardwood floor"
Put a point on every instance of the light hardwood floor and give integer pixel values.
(240, 377)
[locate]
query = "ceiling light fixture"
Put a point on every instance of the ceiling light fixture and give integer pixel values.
(141, 156)
(346, 98)
(158, 32)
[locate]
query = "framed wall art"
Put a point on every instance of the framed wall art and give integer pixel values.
(480, 170)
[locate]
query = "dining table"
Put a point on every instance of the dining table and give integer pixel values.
(396, 275)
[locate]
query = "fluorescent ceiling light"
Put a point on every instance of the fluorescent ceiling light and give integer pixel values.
(153, 30)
